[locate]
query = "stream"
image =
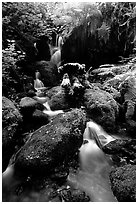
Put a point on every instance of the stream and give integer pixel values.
(92, 177)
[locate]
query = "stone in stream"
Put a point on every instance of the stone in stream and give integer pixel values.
(53, 143)
(58, 99)
(101, 107)
(123, 151)
(49, 73)
(123, 183)
(33, 117)
(11, 118)
(29, 105)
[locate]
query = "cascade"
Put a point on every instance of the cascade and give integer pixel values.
(93, 174)
(92, 177)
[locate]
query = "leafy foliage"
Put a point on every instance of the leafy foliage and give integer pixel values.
(25, 21)
(120, 18)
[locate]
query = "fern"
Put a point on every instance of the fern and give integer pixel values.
(104, 32)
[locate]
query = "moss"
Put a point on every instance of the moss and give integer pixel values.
(123, 180)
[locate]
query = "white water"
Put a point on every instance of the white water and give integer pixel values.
(93, 175)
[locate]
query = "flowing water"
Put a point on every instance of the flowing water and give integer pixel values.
(92, 176)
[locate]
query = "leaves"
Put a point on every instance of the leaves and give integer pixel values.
(104, 32)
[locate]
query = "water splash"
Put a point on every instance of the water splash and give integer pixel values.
(93, 131)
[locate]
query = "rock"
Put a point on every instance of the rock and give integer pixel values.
(120, 77)
(53, 143)
(49, 73)
(33, 116)
(76, 195)
(123, 151)
(115, 93)
(53, 91)
(58, 99)
(72, 69)
(39, 117)
(128, 93)
(115, 81)
(35, 121)
(101, 107)
(29, 105)
(60, 174)
(101, 75)
(75, 71)
(11, 119)
(123, 183)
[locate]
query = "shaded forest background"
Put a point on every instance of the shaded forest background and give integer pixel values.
(24, 22)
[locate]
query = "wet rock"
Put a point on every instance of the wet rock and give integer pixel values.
(101, 107)
(101, 75)
(123, 183)
(34, 121)
(39, 117)
(53, 91)
(127, 71)
(128, 93)
(60, 174)
(11, 120)
(76, 73)
(122, 151)
(110, 70)
(33, 116)
(115, 93)
(53, 143)
(49, 73)
(73, 69)
(58, 99)
(115, 81)
(76, 195)
(29, 105)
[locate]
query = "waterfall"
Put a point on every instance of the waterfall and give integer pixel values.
(93, 174)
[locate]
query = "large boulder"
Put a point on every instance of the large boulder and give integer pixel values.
(123, 183)
(123, 151)
(121, 74)
(106, 72)
(102, 74)
(58, 100)
(114, 92)
(53, 143)
(33, 116)
(49, 73)
(128, 93)
(29, 105)
(11, 120)
(101, 107)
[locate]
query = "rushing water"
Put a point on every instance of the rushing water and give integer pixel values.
(92, 177)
